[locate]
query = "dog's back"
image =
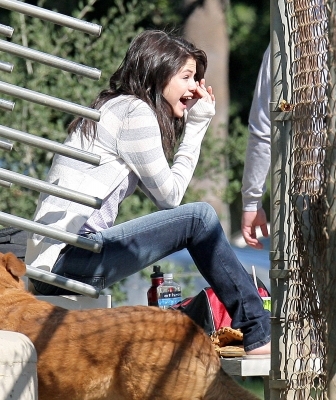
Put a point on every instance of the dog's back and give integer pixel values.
(126, 353)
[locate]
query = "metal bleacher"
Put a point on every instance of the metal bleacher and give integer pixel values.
(7, 134)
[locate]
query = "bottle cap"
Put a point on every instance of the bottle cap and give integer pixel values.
(168, 276)
(156, 272)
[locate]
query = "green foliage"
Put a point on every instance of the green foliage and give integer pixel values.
(234, 150)
(253, 384)
(118, 292)
(249, 27)
(211, 157)
(105, 53)
(166, 14)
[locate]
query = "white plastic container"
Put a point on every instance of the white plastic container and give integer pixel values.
(169, 292)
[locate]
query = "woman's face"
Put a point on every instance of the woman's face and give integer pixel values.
(181, 88)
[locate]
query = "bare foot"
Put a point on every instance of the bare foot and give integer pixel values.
(266, 349)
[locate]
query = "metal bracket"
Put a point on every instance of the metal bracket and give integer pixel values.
(280, 110)
(276, 255)
(284, 116)
(280, 274)
(278, 384)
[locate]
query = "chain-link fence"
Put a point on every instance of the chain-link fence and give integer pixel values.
(310, 213)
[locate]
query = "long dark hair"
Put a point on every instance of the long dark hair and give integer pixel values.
(152, 59)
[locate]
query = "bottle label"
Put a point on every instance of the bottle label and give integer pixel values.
(170, 295)
(168, 299)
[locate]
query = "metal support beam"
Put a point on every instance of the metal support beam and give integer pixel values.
(44, 187)
(6, 145)
(49, 145)
(47, 59)
(44, 230)
(62, 282)
(6, 30)
(45, 100)
(280, 127)
(6, 105)
(6, 67)
(51, 16)
(5, 184)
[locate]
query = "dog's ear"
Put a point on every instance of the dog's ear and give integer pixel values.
(13, 265)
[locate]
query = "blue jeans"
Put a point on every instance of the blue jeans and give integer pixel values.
(131, 246)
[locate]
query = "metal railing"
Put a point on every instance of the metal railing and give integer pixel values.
(8, 177)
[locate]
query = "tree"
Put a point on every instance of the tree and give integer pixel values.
(206, 26)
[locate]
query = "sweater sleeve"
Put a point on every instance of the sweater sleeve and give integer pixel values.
(258, 152)
(140, 147)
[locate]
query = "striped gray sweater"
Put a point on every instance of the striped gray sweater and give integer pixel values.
(129, 144)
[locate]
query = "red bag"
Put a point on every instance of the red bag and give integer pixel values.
(207, 311)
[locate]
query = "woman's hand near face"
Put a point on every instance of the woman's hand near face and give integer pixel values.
(204, 92)
(201, 92)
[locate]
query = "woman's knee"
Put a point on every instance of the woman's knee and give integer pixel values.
(205, 211)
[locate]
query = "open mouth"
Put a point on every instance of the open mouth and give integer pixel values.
(184, 100)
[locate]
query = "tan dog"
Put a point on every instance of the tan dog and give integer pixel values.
(123, 353)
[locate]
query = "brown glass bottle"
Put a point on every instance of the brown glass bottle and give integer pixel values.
(157, 279)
